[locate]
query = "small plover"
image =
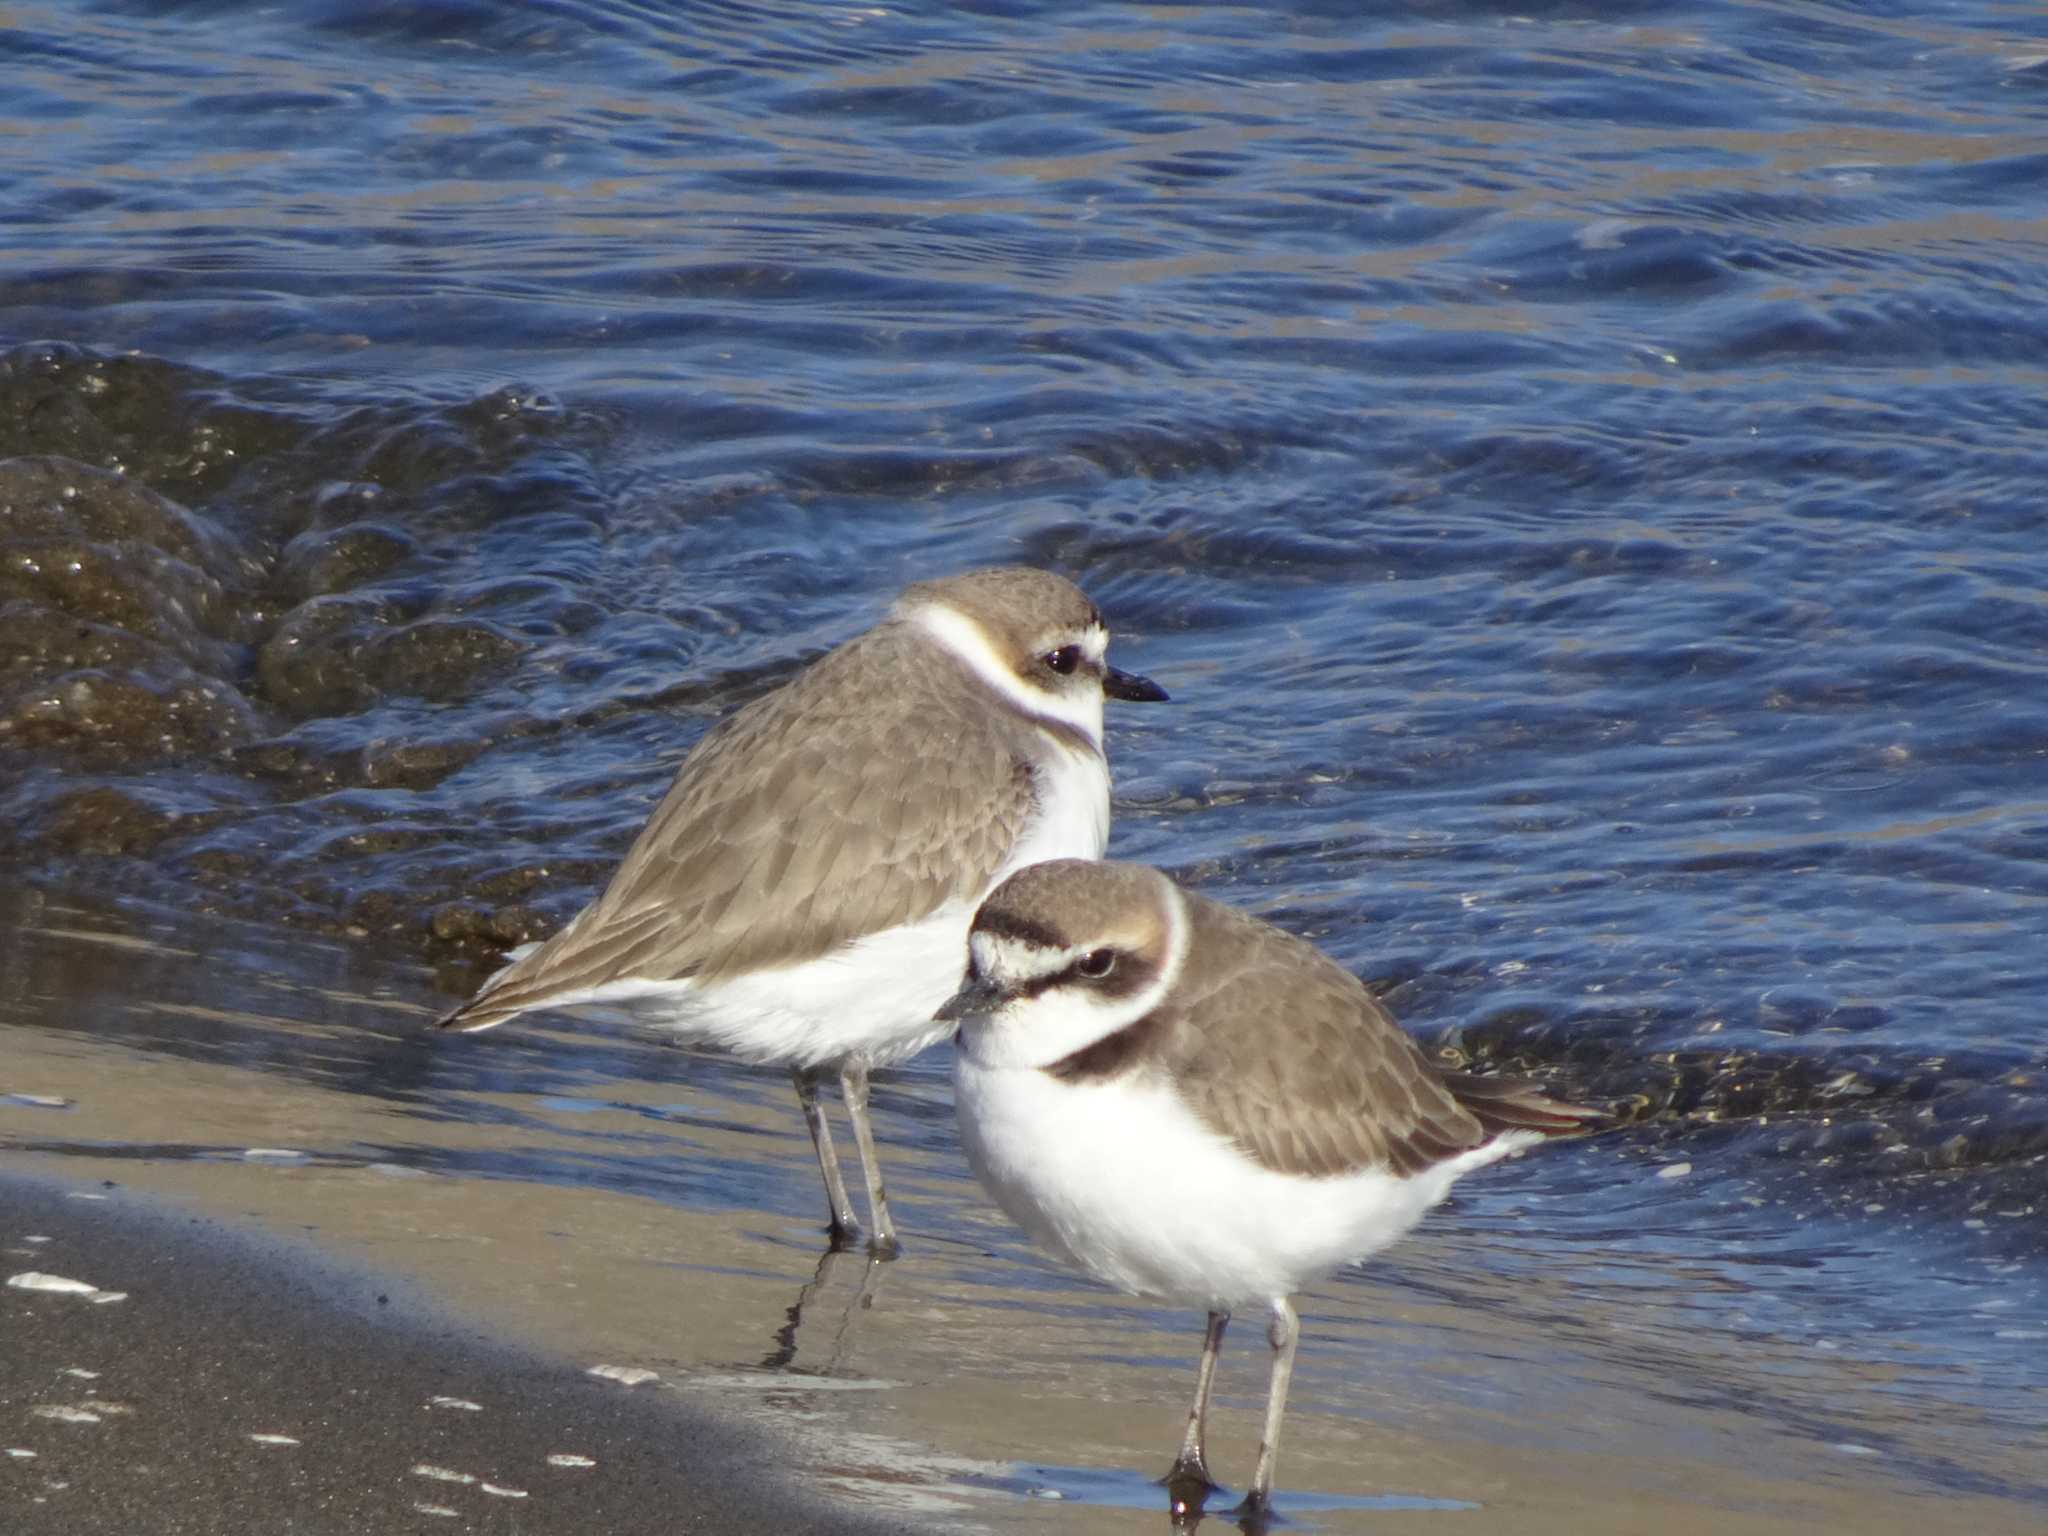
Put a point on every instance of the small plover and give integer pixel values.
(1189, 1103)
(802, 893)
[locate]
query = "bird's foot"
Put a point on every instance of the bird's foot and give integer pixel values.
(1188, 1488)
(1255, 1514)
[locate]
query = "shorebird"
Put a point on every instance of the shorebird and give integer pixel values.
(802, 894)
(1188, 1103)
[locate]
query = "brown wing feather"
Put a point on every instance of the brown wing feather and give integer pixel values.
(1516, 1104)
(787, 833)
(1286, 1053)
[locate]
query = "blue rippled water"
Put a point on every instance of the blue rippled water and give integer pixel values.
(1578, 468)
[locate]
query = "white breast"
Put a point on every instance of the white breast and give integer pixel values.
(1073, 814)
(1120, 1179)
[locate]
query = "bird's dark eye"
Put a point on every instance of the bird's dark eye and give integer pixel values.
(1096, 964)
(1064, 660)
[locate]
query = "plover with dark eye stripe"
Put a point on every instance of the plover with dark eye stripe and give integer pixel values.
(1189, 1103)
(802, 893)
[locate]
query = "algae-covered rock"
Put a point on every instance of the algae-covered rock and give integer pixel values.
(123, 617)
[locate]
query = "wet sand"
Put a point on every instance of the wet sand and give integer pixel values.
(536, 1203)
(219, 1381)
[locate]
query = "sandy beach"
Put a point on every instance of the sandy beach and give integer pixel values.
(214, 1381)
(335, 1233)
(1576, 469)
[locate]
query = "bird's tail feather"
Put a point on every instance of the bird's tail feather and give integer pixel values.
(1503, 1104)
(480, 1012)
(474, 1015)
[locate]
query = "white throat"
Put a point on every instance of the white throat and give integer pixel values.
(1035, 1032)
(961, 637)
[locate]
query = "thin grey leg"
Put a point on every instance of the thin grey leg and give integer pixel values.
(1188, 1484)
(845, 1225)
(1193, 1461)
(1283, 1334)
(853, 1086)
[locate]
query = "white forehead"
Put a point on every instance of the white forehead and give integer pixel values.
(1011, 959)
(967, 640)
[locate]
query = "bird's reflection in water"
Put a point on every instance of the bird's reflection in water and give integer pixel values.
(814, 1306)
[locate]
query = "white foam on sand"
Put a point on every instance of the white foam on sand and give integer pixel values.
(65, 1414)
(58, 1285)
(626, 1375)
(31, 1280)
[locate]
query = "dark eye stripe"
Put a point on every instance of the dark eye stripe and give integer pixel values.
(1131, 975)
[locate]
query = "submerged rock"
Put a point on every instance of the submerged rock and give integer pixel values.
(248, 630)
(123, 617)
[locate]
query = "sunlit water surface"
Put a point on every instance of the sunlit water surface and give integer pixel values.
(1578, 470)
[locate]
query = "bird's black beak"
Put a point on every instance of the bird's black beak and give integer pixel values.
(975, 996)
(1131, 688)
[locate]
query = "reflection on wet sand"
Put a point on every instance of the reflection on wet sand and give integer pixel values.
(612, 1201)
(837, 1321)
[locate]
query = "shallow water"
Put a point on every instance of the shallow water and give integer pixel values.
(613, 1201)
(1577, 470)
